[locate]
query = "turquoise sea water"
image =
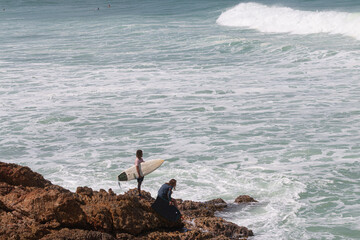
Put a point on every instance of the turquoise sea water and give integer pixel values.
(259, 98)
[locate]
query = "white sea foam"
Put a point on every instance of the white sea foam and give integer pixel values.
(286, 20)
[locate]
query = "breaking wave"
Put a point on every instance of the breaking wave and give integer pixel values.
(286, 20)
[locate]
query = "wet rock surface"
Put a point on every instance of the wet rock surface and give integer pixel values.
(33, 208)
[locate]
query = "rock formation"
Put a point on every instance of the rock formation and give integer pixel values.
(31, 207)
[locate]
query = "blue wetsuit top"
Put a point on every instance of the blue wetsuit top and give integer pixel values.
(165, 192)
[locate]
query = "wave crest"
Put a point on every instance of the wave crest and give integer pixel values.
(286, 20)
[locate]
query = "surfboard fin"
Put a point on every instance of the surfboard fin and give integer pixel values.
(122, 177)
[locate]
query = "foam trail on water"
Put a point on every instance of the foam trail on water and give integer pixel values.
(286, 20)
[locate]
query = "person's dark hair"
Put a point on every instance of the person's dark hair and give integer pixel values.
(172, 183)
(139, 153)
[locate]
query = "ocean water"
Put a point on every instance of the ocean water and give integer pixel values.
(239, 97)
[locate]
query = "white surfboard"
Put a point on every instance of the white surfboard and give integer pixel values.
(145, 168)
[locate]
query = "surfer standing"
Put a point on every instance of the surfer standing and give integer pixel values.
(165, 192)
(138, 161)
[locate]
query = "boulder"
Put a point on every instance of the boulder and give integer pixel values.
(14, 174)
(219, 226)
(244, 199)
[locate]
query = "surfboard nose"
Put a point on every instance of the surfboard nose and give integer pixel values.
(122, 177)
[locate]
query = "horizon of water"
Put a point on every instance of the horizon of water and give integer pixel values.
(258, 98)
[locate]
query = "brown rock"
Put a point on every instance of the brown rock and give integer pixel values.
(5, 188)
(244, 199)
(144, 195)
(32, 208)
(47, 205)
(77, 234)
(121, 214)
(14, 225)
(124, 236)
(176, 235)
(201, 209)
(4, 208)
(219, 226)
(85, 191)
(17, 175)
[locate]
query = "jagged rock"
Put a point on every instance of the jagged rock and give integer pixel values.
(15, 225)
(46, 205)
(125, 236)
(201, 209)
(77, 234)
(144, 195)
(244, 199)
(18, 175)
(85, 191)
(221, 227)
(33, 208)
(195, 235)
(126, 213)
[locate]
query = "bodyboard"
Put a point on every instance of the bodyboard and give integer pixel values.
(169, 212)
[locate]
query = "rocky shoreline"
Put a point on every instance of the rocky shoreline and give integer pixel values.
(31, 207)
